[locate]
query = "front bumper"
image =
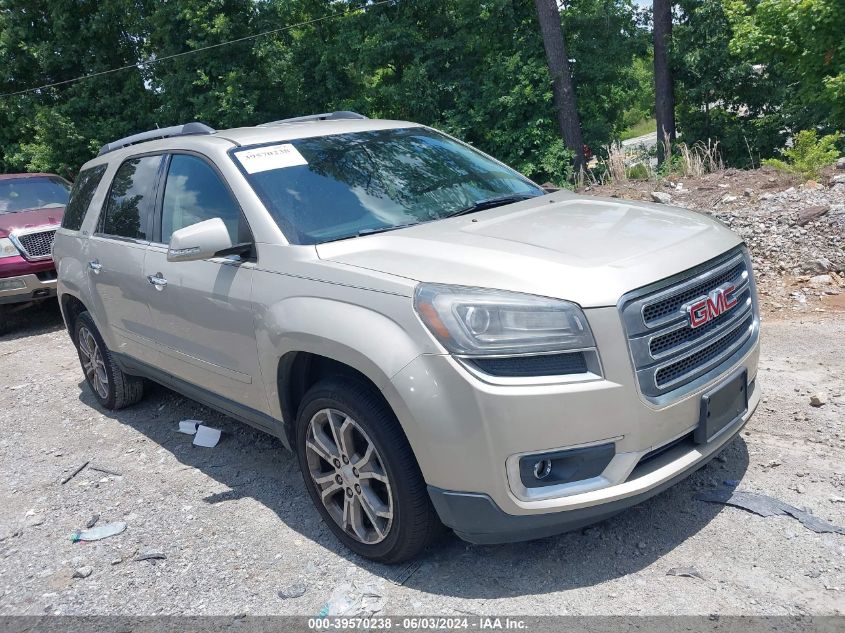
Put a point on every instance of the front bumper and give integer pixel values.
(468, 435)
(476, 517)
(31, 286)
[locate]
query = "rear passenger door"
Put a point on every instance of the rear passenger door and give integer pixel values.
(116, 258)
(203, 310)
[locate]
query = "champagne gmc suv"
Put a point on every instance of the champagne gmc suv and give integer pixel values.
(437, 338)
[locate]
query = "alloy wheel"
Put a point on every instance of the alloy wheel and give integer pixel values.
(92, 363)
(350, 477)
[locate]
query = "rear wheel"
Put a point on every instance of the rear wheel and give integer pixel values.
(361, 473)
(112, 388)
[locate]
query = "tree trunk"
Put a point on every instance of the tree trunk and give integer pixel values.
(564, 94)
(664, 89)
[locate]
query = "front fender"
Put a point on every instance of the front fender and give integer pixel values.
(364, 338)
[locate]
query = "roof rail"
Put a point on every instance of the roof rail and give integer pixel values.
(166, 132)
(325, 116)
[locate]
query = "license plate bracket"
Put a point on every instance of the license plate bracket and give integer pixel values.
(722, 405)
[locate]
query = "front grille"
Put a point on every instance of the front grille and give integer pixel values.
(670, 305)
(669, 356)
(36, 244)
(670, 373)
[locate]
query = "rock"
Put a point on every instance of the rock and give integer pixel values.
(820, 265)
(840, 164)
(661, 197)
(294, 591)
(818, 399)
(750, 192)
(83, 572)
(837, 179)
(808, 214)
(820, 281)
(729, 199)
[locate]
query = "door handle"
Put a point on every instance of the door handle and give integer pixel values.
(157, 281)
(95, 266)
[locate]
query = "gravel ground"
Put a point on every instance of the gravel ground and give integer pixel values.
(237, 528)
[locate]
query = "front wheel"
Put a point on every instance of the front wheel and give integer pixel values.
(361, 473)
(112, 388)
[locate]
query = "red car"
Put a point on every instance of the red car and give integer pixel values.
(31, 209)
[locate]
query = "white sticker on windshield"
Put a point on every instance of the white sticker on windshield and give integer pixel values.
(270, 157)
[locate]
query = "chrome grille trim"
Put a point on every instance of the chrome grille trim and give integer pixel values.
(660, 342)
(35, 244)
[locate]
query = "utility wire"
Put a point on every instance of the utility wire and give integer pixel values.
(155, 60)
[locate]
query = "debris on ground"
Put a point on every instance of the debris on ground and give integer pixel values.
(189, 427)
(100, 469)
(75, 473)
(150, 555)
(767, 506)
(685, 572)
(406, 572)
(33, 519)
(83, 572)
(92, 521)
(353, 599)
(818, 399)
(98, 533)
(206, 436)
(294, 591)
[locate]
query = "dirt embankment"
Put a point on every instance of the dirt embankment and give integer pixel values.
(796, 231)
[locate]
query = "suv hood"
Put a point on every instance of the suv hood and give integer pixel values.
(582, 249)
(30, 219)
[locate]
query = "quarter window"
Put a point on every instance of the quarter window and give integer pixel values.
(130, 198)
(80, 196)
(194, 193)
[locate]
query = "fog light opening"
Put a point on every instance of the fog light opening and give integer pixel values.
(542, 468)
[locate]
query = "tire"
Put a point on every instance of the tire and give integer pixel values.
(413, 523)
(112, 388)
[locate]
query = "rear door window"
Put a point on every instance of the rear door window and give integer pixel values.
(131, 199)
(81, 196)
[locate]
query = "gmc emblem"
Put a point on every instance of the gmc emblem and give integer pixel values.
(705, 309)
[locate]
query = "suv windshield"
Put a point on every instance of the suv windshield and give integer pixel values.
(39, 192)
(333, 187)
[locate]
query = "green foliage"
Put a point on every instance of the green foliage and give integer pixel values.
(640, 171)
(749, 72)
(474, 69)
(801, 45)
(752, 72)
(808, 155)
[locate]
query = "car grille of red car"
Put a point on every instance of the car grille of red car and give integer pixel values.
(37, 245)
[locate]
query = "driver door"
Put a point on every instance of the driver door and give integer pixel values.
(202, 310)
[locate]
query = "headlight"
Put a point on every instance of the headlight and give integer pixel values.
(476, 321)
(7, 249)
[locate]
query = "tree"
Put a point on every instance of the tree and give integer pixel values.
(42, 42)
(664, 89)
(564, 93)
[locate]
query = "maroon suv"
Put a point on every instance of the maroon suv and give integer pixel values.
(31, 209)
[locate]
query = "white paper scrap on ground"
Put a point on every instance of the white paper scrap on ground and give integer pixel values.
(206, 436)
(189, 427)
(270, 157)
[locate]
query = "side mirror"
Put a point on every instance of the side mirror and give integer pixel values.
(199, 241)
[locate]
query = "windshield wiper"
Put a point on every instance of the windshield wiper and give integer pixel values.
(383, 229)
(490, 203)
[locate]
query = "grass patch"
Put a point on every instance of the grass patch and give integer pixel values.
(646, 126)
